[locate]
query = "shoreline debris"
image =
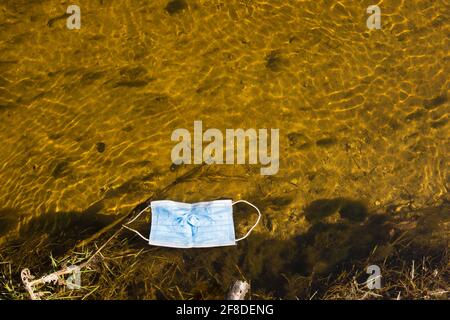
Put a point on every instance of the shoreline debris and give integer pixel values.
(238, 291)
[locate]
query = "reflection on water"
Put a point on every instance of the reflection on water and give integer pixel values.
(87, 117)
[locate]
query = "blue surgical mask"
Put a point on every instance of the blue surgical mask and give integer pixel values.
(196, 225)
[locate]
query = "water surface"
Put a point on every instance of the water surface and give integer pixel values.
(87, 114)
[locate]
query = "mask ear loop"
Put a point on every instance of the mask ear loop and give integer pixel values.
(132, 220)
(256, 223)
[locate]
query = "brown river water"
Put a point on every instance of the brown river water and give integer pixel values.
(87, 117)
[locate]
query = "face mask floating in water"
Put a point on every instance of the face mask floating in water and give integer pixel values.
(176, 225)
(196, 225)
